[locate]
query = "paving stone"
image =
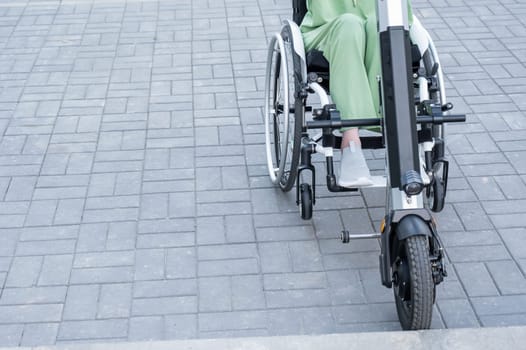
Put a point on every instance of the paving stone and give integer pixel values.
(102, 275)
(115, 301)
(281, 322)
(81, 302)
(105, 259)
(30, 313)
(476, 279)
(41, 213)
(164, 306)
(181, 263)
(383, 312)
(33, 295)
(182, 204)
(348, 261)
(508, 278)
(92, 237)
(241, 266)
(473, 216)
(223, 252)
(56, 270)
(146, 328)
(472, 254)
(486, 188)
(24, 272)
(373, 290)
(274, 257)
(513, 239)
(297, 298)
(284, 233)
(215, 294)
(501, 305)
(239, 229)
(32, 248)
(38, 334)
(180, 326)
(210, 230)
(165, 288)
(247, 293)
(149, 264)
(502, 320)
(346, 287)
(237, 320)
(93, 329)
(458, 313)
(10, 335)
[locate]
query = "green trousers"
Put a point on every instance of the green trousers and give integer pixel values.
(345, 30)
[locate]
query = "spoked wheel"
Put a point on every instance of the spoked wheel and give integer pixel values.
(413, 283)
(282, 126)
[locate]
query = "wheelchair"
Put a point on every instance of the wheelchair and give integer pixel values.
(414, 108)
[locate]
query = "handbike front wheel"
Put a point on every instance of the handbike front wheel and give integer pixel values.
(282, 139)
(413, 284)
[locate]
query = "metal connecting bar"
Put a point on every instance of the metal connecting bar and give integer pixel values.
(337, 124)
(364, 235)
(346, 237)
(421, 119)
(440, 119)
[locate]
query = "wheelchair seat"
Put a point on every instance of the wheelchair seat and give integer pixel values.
(317, 63)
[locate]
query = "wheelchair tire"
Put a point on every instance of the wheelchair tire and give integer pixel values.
(413, 285)
(282, 130)
(306, 201)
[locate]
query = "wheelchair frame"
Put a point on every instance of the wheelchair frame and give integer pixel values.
(410, 247)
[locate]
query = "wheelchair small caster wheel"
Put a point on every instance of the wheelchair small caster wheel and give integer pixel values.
(436, 195)
(305, 201)
(345, 237)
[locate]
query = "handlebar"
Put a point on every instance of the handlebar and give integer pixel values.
(441, 119)
(353, 123)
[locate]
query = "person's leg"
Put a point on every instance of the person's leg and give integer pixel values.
(372, 61)
(343, 42)
(345, 49)
(350, 90)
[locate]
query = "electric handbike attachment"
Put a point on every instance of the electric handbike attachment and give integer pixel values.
(412, 132)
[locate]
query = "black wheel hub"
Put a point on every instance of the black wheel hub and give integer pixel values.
(401, 279)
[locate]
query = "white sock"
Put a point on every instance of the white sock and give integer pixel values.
(354, 171)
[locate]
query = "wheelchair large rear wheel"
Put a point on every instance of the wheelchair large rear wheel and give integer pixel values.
(282, 129)
(413, 284)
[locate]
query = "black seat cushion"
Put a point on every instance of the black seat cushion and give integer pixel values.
(316, 62)
(416, 57)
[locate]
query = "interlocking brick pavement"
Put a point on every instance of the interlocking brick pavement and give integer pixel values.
(134, 199)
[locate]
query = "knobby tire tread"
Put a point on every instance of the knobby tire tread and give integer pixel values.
(422, 286)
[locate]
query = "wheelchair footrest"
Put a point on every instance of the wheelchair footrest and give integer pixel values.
(378, 182)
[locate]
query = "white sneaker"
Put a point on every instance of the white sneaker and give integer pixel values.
(353, 168)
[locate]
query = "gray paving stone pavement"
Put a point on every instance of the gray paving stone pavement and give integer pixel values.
(134, 199)
(460, 338)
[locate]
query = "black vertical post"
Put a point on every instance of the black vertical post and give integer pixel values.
(398, 102)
